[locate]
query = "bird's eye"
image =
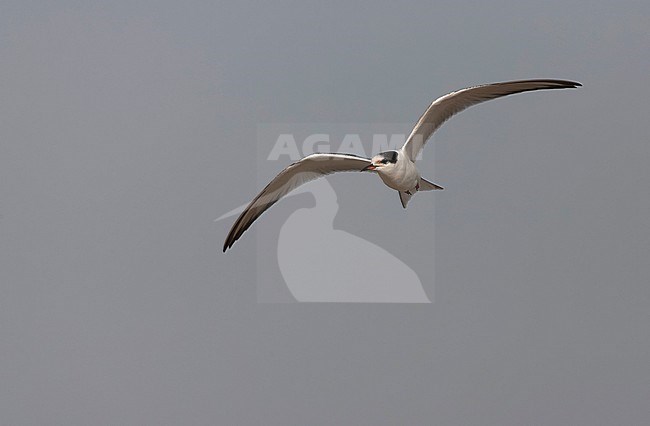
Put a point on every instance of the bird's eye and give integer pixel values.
(384, 161)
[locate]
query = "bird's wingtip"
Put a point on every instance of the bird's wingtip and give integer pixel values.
(571, 84)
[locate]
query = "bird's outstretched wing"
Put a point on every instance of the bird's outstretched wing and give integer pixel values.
(309, 168)
(452, 103)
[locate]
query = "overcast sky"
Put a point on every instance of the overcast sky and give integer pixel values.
(126, 127)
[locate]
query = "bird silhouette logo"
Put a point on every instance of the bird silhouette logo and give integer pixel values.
(313, 272)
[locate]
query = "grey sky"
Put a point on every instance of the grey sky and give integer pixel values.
(118, 125)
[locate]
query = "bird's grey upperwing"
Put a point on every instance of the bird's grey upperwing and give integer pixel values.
(309, 168)
(452, 103)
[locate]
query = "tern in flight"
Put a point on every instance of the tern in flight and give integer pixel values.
(395, 168)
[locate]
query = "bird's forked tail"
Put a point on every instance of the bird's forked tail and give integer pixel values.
(424, 185)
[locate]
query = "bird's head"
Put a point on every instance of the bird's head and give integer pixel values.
(383, 161)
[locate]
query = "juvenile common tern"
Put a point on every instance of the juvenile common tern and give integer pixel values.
(395, 168)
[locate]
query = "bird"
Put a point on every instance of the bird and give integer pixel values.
(396, 168)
